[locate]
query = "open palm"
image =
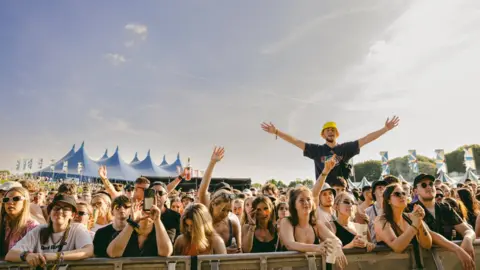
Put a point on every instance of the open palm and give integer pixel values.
(268, 127)
(390, 124)
(102, 172)
(218, 154)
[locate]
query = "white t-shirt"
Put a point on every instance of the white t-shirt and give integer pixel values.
(323, 217)
(78, 237)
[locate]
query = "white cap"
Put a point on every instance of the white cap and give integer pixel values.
(8, 185)
(247, 192)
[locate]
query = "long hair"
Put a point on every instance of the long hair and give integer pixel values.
(458, 207)
(277, 209)
(17, 225)
(108, 201)
(219, 197)
(387, 208)
(271, 219)
(293, 211)
(244, 215)
(202, 226)
(468, 200)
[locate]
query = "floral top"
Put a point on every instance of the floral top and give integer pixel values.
(11, 240)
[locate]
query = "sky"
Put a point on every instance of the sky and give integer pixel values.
(184, 76)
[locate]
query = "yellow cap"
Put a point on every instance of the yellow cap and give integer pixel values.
(330, 125)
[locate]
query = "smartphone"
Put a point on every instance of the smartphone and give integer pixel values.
(148, 199)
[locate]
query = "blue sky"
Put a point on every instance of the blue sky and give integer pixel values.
(183, 76)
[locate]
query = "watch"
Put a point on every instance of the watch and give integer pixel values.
(23, 256)
(181, 177)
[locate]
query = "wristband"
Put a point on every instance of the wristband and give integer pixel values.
(415, 227)
(181, 178)
(23, 256)
(276, 134)
(133, 223)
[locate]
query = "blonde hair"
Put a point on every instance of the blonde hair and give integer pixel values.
(340, 197)
(107, 201)
(219, 197)
(202, 226)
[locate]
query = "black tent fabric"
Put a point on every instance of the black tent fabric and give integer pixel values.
(194, 183)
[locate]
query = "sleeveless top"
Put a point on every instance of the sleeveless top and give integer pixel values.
(397, 234)
(259, 246)
(230, 231)
(343, 234)
(315, 242)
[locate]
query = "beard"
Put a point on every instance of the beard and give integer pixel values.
(330, 140)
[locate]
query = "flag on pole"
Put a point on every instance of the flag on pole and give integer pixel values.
(65, 166)
(353, 168)
(412, 160)
(80, 168)
(17, 168)
(52, 165)
(440, 161)
(30, 163)
(40, 163)
(24, 164)
(469, 160)
(385, 165)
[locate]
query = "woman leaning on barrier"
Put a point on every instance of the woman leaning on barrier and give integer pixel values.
(60, 240)
(260, 234)
(220, 205)
(198, 235)
(15, 220)
(301, 232)
(397, 229)
(344, 228)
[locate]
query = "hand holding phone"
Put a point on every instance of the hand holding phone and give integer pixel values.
(148, 199)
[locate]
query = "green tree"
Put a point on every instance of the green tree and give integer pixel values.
(257, 185)
(308, 183)
(371, 169)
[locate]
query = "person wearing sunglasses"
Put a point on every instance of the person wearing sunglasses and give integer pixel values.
(133, 233)
(170, 219)
(84, 216)
(101, 203)
(442, 220)
(219, 204)
(376, 209)
(397, 229)
(60, 240)
(343, 226)
(15, 220)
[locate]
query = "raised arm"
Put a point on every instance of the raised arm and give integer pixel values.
(389, 124)
(102, 172)
(164, 244)
(171, 186)
(217, 156)
(468, 238)
(270, 128)
(317, 188)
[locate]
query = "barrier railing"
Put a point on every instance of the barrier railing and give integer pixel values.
(380, 258)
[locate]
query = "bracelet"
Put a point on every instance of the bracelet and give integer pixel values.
(132, 223)
(324, 174)
(181, 178)
(415, 227)
(276, 134)
(23, 255)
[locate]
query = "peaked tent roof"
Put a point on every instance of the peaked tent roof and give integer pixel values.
(135, 159)
(351, 184)
(164, 162)
(364, 183)
(148, 167)
(90, 167)
(173, 167)
(59, 164)
(442, 176)
(105, 155)
(119, 169)
(469, 174)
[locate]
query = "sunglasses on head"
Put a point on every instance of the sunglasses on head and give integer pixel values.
(399, 194)
(227, 196)
(424, 185)
(15, 199)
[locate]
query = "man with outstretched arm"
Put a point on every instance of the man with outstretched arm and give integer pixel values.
(321, 153)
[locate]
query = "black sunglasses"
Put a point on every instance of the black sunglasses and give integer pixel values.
(399, 194)
(129, 189)
(424, 185)
(161, 192)
(82, 213)
(15, 199)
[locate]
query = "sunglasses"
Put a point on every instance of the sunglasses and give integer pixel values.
(15, 199)
(161, 193)
(439, 196)
(82, 213)
(64, 209)
(124, 206)
(227, 196)
(129, 189)
(425, 185)
(399, 194)
(348, 202)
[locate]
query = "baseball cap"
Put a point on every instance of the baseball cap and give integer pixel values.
(223, 185)
(421, 177)
(8, 185)
(65, 199)
(188, 196)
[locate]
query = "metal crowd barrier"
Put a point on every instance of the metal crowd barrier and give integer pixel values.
(380, 258)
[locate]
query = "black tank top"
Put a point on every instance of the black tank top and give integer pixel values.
(397, 234)
(258, 246)
(315, 242)
(343, 234)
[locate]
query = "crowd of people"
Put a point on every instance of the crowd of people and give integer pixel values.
(43, 224)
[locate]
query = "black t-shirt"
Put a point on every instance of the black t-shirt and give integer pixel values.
(321, 153)
(444, 221)
(171, 222)
(105, 235)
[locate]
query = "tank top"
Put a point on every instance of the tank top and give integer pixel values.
(259, 246)
(343, 234)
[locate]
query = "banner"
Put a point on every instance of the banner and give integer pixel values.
(52, 165)
(65, 166)
(30, 163)
(353, 168)
(385, 166)
(40, 163)
(80, 168)
(412, 160)
(17, 168)
(24, 165)
(440, 161)
(469, 160)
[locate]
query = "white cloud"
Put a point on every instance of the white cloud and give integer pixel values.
(139, 29)
(129, 43)
(95, 114)
(115, 59)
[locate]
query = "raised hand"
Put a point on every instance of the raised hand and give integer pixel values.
(102, 172)
(269, 127)
(252, 221)
(218, 154)
(330, 164)
(155, 213)
(417, 216)
(390, 124)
